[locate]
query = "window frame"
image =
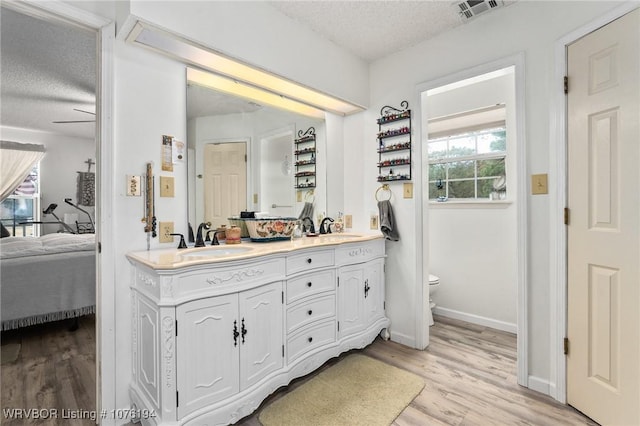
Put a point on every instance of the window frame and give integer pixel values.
(36, 197)
(446, 160)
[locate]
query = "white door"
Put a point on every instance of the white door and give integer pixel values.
(225, 181)
(603, 377)
(207, 352)
(261, 331)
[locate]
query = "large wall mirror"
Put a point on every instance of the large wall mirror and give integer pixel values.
(241, 157)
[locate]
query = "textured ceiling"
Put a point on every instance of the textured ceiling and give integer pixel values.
(47, 71)
(373, 29)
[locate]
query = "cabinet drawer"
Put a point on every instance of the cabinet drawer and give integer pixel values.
(306, 312)
(309, 260)
(309, 338)
(347, 254)
(310, 284)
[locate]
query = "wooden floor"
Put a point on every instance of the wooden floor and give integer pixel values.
(469, 373)
(470, 379)
(55, 369)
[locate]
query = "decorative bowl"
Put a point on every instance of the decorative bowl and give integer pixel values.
(270, 229)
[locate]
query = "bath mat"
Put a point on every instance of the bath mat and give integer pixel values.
(358, 390)
(10, 352)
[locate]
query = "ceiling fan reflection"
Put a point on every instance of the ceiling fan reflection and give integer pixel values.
(77, 121)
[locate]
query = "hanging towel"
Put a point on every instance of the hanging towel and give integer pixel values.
(387, 222)
(307, 211)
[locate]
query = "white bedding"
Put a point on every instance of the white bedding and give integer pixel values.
(46, 279)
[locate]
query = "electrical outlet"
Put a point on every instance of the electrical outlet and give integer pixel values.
(407, 190)
(348, 221)
(373, 221)
(133, 186)
(167, 186)
(164, 229)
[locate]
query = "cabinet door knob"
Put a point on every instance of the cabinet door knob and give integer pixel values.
(310, 339)
(309, 260)
(310, 312)
(309, 284)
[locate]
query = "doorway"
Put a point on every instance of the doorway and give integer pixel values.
(603, 233)
(464, 178)
(277, 168)
(104, 332)
(225, 181)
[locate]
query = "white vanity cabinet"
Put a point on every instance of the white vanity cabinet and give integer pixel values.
(211, 340)
(226, 344)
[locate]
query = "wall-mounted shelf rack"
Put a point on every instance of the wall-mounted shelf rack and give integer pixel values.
(305, 152)
(394, 136)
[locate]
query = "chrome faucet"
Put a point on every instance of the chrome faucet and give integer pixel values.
(312, 228)
(199, 240)
(324, 227)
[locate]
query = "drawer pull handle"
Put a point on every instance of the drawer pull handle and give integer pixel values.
(243, 330)
(310, 312)
(310, 339)
(309, 260)
(309, 284)
(235, 333)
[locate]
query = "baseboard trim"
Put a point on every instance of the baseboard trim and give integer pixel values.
(403, 339)
(539, 385)
(476, 319)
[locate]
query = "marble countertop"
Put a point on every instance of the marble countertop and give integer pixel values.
(169, 259)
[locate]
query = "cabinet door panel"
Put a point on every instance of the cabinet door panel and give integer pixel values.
(261, 319)
(374, 296)
(207, 355)
(350, 299)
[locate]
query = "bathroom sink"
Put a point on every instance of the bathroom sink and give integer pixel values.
(215, 252)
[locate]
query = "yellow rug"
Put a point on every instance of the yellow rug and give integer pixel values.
(358, 390)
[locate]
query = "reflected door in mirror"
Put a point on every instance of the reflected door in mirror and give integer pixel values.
(225, 181)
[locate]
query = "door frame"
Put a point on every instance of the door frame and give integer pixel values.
(104, 28)
(422, 330)
(558, 232)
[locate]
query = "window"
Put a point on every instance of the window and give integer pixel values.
(468, 164)
(23, 205)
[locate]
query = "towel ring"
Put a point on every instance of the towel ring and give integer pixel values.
(384, 187)
(310, 196)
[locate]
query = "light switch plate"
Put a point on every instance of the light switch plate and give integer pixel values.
(539, 184)
(167, 187)
(348, 221)
(373, 221)
(165, 228)
(407, 190)
(133, 186)
(299, 196)
(255, 198)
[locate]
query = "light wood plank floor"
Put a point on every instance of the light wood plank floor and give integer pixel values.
(55, 369)
(470, 376)
(469, 371)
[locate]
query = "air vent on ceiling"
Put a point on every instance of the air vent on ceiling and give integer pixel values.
(471, 8)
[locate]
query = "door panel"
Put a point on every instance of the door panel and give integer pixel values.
(351, 300)
(225, 182)
(207, 355)
(262, 322)
(603, 371)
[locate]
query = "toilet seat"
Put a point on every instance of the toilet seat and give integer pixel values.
(434, 279)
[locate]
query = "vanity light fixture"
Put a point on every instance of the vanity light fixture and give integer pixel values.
(192, 53)
(234, 87)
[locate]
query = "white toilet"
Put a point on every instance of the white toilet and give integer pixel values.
(434, 283)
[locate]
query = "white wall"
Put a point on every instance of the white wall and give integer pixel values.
(525, 26)
(256, 33)
(64, 156)
(472, 247)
